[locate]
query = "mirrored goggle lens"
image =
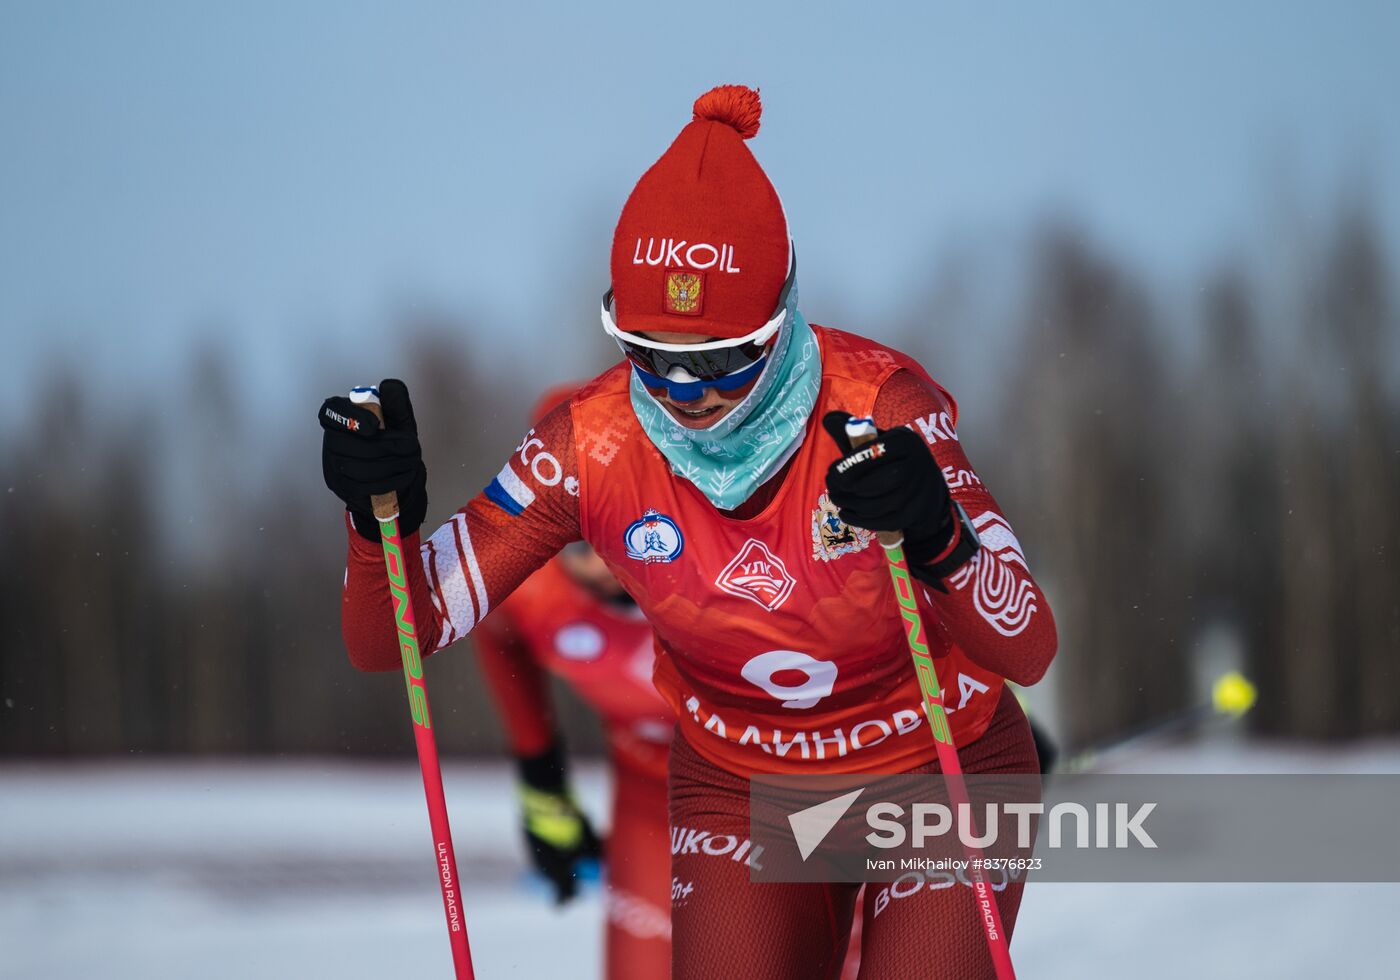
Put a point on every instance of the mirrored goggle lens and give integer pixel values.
(703, 365)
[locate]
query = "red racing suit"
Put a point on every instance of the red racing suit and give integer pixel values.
(777, 642)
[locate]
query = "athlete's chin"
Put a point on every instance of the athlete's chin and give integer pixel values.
(693, 418)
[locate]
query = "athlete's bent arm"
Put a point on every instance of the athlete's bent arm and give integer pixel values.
(473, 561)
(991, 605)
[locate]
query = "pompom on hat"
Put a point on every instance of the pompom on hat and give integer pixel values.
(702, 245)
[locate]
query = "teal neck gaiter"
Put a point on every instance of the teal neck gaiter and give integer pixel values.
(732, 458)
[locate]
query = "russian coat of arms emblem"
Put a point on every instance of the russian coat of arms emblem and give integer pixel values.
(683, 292)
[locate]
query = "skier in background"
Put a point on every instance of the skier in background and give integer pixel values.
(699, 471)
(573, 619)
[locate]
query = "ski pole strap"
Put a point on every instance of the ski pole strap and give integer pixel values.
(386, 505)
(860, 431)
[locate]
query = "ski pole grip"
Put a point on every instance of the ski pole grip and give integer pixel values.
(860, 432)
(385, 505)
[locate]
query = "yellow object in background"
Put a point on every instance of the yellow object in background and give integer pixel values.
(1233, 694)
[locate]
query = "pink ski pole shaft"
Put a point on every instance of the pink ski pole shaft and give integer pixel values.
(861, 431)
(386, 512)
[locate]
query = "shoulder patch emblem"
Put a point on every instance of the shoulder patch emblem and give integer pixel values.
(833, 537)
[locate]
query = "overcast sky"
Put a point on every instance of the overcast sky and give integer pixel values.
(292, 175)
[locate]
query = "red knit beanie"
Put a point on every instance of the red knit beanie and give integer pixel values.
(702, 244)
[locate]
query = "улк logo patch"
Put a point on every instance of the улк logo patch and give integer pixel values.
(758, 575)
(654, 538)
(833, 537)
(684, 291)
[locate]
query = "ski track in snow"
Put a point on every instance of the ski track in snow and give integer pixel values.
(250, 869)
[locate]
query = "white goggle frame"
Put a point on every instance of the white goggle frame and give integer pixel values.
(762, 335)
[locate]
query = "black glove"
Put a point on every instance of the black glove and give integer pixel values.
(559, 836)
(359, 459)
(897, 487)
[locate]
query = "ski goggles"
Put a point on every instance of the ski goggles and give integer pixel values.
(685, 370)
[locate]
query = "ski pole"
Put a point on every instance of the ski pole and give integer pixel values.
(861, 431)
(386, 512)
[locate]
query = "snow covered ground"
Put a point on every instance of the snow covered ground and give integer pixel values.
(322, 869)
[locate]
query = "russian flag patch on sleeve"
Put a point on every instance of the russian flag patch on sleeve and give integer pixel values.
(508, 492)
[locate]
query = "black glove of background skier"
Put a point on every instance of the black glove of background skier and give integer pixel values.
(557, 833)
(897, 488)
(359, 459)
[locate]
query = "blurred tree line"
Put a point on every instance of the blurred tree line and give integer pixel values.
(1219, 465)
